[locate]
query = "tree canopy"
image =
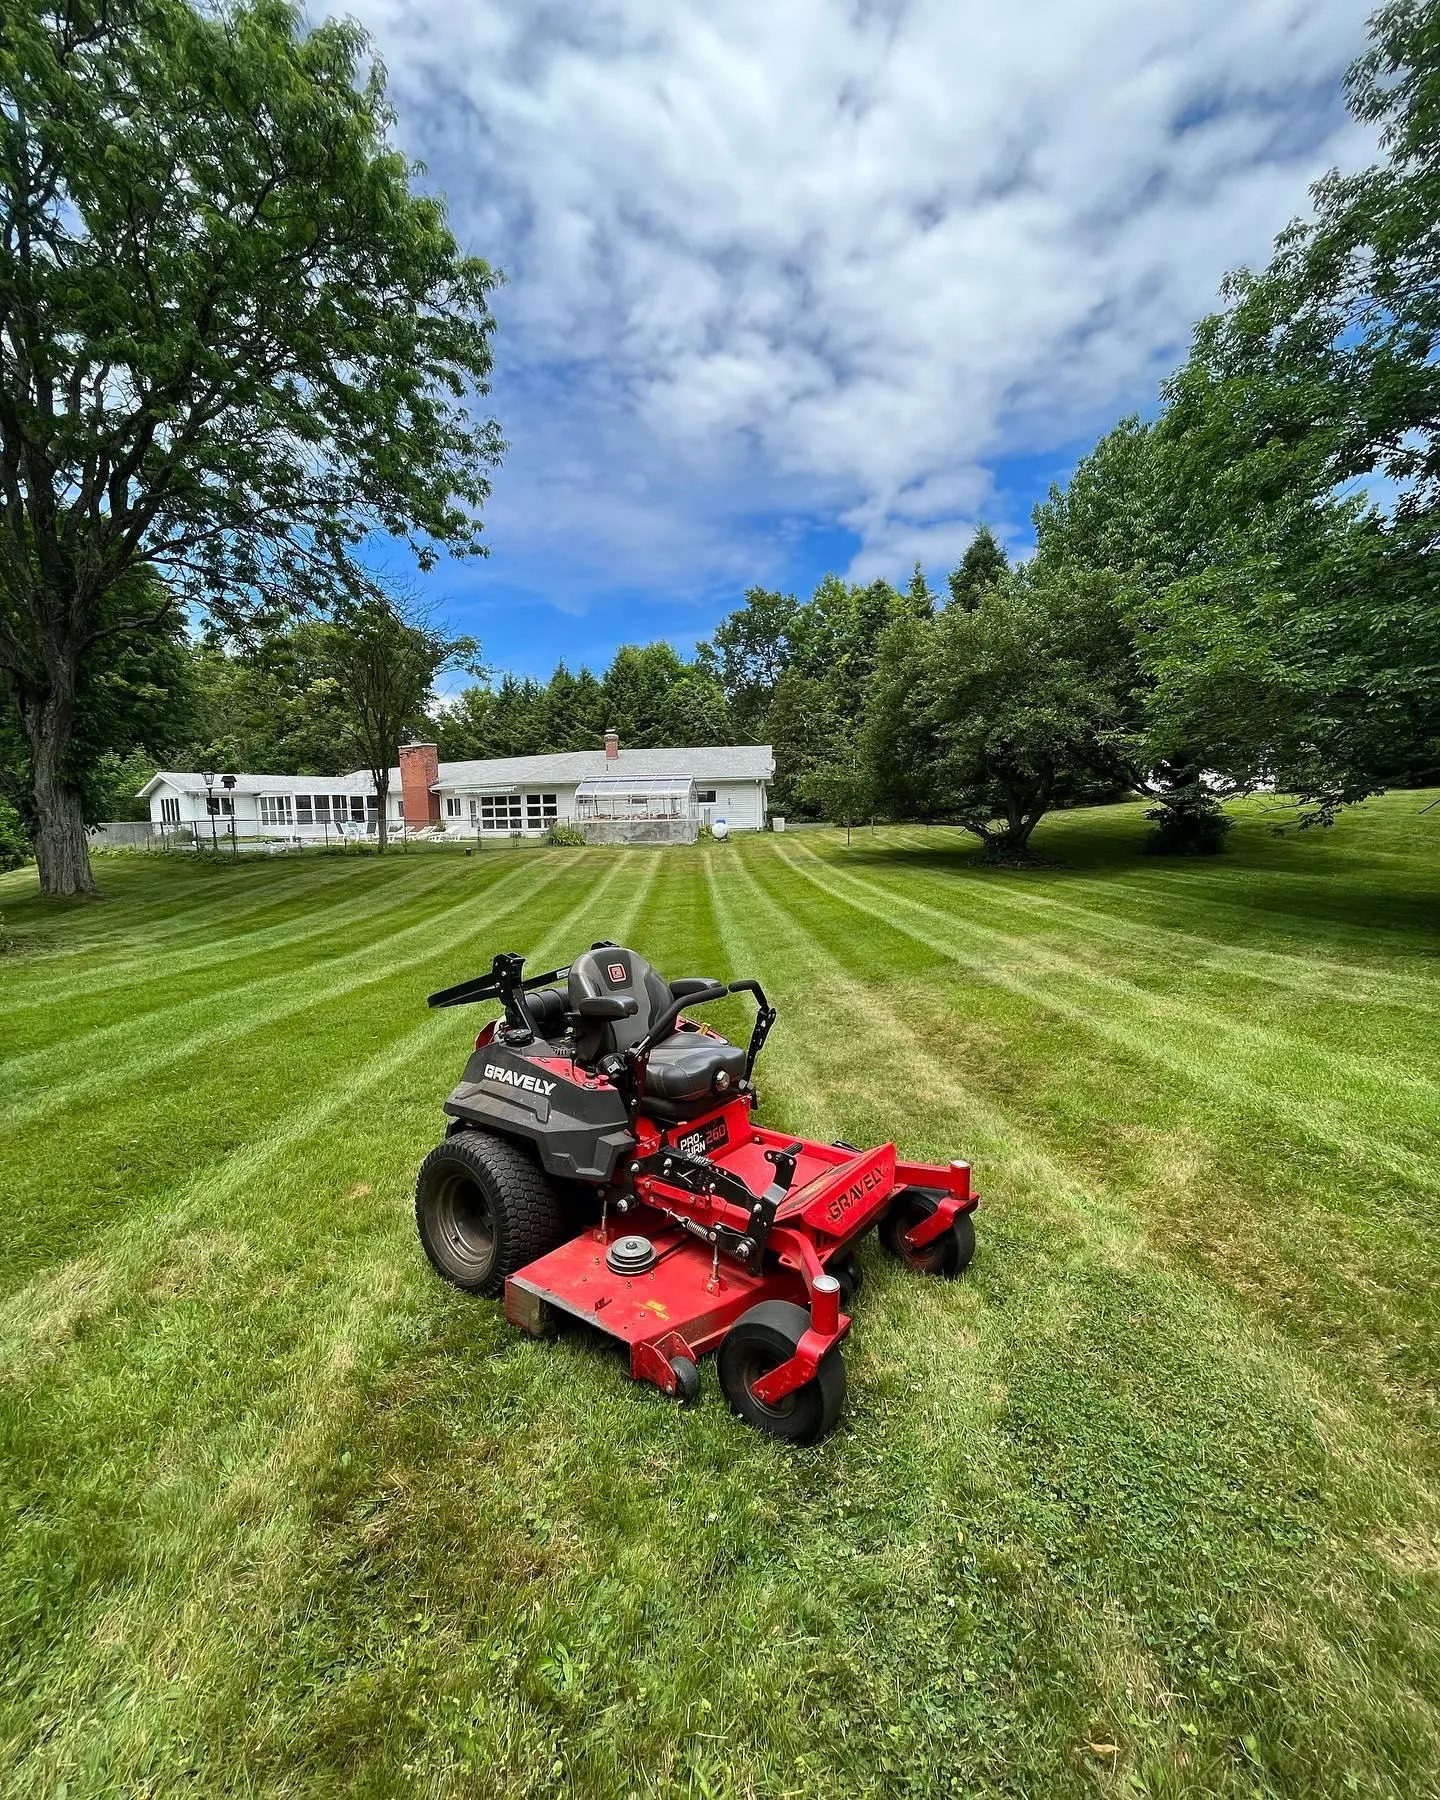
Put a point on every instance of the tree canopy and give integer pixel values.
(235, 341)
(1277, 525)
(382, 666)
(991, 714)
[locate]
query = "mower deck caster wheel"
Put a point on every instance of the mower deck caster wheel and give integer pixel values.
(484, 1208)
(947, 1256)
(847, 1271)
(759, 1341)
(687, 1378)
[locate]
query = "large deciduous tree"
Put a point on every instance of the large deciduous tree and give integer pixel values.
(136, 701)
(992, 715)
(749, 653)
(1280, 522)
(234, 342)
(1304, 431)
(384, 667)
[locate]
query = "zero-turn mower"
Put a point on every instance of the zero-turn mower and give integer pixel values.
(602, 1161)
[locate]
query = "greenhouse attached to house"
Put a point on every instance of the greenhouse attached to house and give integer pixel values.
(631, 809)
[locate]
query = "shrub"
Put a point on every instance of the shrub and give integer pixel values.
(1192, 829)
(15, 849)
(569, 837)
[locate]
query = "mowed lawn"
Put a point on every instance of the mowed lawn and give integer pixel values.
(1148, 1502)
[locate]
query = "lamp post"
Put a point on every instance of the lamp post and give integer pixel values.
(212, 805)
(228, 783)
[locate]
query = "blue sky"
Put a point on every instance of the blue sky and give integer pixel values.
(821, 284)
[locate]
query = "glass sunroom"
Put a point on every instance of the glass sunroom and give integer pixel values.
(604, 798)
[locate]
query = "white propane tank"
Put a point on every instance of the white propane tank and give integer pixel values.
(720, 830)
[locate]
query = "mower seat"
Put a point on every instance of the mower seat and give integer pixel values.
(682, 1068)
(614, 972)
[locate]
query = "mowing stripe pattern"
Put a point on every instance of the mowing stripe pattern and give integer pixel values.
(1148, 1503)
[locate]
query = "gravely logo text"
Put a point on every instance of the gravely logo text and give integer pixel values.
(532, 1084)
(859, 1189)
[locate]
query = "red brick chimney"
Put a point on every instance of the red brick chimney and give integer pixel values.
(612, 745)
(419, 769)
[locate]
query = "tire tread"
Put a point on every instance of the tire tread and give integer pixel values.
(528, 1217)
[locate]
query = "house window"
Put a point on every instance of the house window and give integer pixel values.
(500, 812)
(704, 796)
(227, 808)
(339, 806)
(322, 808)
(357, 808)
(169, 812)
(303, 814)
(452, 806)
(275, 809)
(540, 810)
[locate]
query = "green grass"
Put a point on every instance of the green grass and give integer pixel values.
(1147, 1503)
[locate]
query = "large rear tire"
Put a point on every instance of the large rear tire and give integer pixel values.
(484, 1208)
(759, 1341)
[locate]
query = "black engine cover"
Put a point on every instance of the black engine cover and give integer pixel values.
(579, 1132)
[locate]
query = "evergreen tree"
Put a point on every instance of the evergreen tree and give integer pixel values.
(982, 565)
(919, 598)
(636, 688)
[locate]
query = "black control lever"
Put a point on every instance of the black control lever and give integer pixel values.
(784, 1161)
(506, 980)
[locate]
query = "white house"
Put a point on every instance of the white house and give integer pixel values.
(282, 806)
(662, 795)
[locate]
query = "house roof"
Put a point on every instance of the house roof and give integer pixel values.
(358, 781)
(597, 786)
(711, 762)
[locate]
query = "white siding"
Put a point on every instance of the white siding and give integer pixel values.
(740, 803)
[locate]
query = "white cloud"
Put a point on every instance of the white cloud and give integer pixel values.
(805, 258)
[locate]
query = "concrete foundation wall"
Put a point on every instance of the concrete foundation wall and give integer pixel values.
(641, 831)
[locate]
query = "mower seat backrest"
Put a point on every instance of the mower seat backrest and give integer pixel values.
(614, 971)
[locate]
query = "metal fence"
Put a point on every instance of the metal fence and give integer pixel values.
(231, 839)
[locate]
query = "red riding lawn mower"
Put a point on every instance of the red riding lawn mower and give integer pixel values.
(603, 1162)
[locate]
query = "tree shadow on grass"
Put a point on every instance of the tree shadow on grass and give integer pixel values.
(1319, 880)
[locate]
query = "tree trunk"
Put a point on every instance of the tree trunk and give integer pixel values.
(382, 791)
(60, 846)
(1023, 812)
